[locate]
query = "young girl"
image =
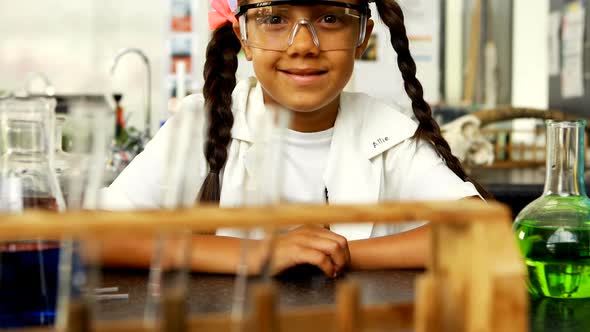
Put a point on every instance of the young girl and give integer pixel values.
(340, 147)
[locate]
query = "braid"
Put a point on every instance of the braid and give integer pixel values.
(220, 80)
(428, 130)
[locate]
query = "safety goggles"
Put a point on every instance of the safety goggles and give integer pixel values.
(333, 25)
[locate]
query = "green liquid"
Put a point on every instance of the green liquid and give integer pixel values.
(558, 259)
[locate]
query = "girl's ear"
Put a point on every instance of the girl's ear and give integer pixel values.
(247, 51)
(361, 49)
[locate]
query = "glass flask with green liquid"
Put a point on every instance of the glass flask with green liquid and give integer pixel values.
(553, 232)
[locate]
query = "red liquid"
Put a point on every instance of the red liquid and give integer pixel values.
(40, 203)
(29, 276)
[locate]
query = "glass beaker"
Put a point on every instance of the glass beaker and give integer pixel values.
(553, 231)
(27, 155)
(28, 269)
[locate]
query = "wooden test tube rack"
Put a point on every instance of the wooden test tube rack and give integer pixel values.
(475, 281)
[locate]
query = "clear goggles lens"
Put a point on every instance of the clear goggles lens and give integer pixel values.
(275, 27)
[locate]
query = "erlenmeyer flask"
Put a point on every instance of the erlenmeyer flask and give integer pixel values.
(28, 269)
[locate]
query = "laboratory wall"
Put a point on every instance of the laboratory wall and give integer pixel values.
(73, 43)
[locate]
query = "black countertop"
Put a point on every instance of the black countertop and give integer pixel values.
(515, 187)
(213, 294)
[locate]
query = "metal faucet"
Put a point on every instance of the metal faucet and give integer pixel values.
(146, 61)
(48, 90)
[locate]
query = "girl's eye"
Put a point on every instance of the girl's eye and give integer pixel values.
(329, 19)
(271, 20)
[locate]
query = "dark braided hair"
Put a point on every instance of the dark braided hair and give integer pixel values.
(428, 130)
(220, 80)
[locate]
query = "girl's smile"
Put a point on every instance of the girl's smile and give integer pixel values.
(304, 76)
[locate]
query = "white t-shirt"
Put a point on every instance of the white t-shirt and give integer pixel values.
(305, 156)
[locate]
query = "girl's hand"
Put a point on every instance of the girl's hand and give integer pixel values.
(310, 245)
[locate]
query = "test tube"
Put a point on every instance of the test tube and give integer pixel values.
(79, 264)
(262, 188)
(168, 278)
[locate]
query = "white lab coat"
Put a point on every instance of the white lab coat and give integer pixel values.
(372, 158)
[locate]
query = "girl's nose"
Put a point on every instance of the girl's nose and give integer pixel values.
(303, 40)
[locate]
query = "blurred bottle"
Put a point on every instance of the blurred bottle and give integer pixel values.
(123, 147)
(28, 269)
(64, 161)
(120, 130)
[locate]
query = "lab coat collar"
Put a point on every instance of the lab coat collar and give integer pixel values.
(246, 95)
(380, 127)
(377, 126)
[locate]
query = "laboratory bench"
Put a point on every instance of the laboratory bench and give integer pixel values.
(214, 293)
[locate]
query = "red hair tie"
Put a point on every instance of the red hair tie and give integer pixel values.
(221, 14)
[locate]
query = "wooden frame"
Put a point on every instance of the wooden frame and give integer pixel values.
(503, 114)
(475, 280)
(529, 155)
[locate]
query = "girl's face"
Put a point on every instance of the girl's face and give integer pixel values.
(304, 78)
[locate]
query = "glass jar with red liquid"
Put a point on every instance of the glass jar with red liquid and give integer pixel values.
(28, 269)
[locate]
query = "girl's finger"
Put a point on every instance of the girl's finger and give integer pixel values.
(327, 246)
(339, 239)
(320, 231)
(304, 255)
